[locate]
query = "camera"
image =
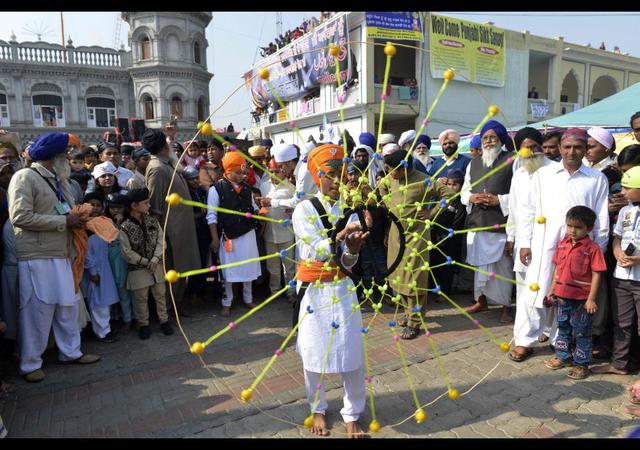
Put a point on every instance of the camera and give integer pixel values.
(550, 301)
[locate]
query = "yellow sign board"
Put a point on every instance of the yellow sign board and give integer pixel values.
(476, 52)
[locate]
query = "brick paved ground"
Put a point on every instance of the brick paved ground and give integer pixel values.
(155, 388)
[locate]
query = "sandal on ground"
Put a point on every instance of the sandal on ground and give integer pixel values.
(578, 372)
(403, 322)
(226, 311)
(410, 332)
(543, 338)
(519, 353)
(556, 363)
(635, 395)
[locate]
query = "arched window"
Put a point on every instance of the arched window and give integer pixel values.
(145, 47)
(48, 111)
(4, 111)
(201, 109)
(147, 103)
(101, 112)
(196, 52)
(176, 107)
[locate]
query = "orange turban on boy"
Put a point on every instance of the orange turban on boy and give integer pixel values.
(75, 141)
(319, 159)
(232, 161)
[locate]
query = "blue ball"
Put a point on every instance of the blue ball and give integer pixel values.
(416, 309)
(428, 182)
(292, 284)
(283, 254)
(443, 203)
(392, 324)
(304, 160)
(450, 232)
(378, 156)
(335, 325)
(449, 259)
(436, 289)
(365, 330)
(286, 222)
(321, 173)
(404, 163)
(309, 310)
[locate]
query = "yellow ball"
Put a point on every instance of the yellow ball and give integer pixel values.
(389, 49)
(525, 152)
(453, 394)
(171, 276)
(206, 129)
(197, 348)
(264, 74)
(541, 220)
(334, 50)
(420, 416)
(308, 422)
(173, 199)
(200, 124)
(504, 347)
(374, 426)
(535, 287)
(449, 74)
(246, 395)
(493, 110)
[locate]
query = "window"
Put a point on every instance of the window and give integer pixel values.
(201, 111)
(4, 111)
(176, 107)
(145, 45)
(101, 112)
(147, 103)
(196, 52)
(48, 111)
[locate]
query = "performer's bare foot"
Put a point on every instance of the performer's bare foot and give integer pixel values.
(319, 425)
(481, 305)
(506, 315)
(633, 410)
(354, 431)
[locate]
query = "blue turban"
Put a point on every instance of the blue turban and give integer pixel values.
(266, 143)
(424, 139)
(499, 129)
(368, 139)
(48, 145)
(476, 142)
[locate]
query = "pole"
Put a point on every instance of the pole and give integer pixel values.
(62, 27)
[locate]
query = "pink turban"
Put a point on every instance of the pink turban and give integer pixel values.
(453, 135)
(601, 135)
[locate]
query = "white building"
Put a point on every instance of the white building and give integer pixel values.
(44, 87)
(566, 77)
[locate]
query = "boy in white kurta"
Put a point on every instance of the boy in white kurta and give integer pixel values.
(329, 337)
(233, 235)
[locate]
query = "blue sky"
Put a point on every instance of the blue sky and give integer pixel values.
(234, 37)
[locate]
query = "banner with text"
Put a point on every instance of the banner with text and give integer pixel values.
(403, 26)
(476, 52)
(304, 65)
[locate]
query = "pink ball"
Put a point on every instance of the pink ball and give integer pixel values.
(278, 352)
(396, 338)
(213, 268)
(318, 386)
(233, 148)
(383, 97)
(293, 124)
(476, 322)
(509, 160)
(424, 122)
(492, 275)
(248, 215)
(497, 226)
(369, 380)
(427, 333)
(340, 99)
(232, 325)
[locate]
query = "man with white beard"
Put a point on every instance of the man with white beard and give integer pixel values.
(421, 159)
(489, 198)
(40, 203)
(541, 225)
(529, 141)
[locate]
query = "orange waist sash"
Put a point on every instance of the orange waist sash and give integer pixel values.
(311, 271)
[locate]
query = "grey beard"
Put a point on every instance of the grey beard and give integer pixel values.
(424, 158)
(62, 167)
(531, 165)
(489, 155)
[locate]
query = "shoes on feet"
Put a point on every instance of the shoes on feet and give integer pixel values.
(166, 329)
(144, 332)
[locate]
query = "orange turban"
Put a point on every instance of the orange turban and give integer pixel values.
(319, 157)
(232, 161)
(75, 141)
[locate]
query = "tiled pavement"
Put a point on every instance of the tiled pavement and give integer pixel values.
(156, 388)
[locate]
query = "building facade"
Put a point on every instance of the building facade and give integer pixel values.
(48, 87)
(566, 77)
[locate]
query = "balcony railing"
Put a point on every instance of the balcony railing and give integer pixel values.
(399, 95)
(55, 54)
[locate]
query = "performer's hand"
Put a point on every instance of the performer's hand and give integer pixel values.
(75, 220)
(215, 245)
(525, 256)
(354, 241)
(491, 200)
(265, 202)
(508, 249)
(368, 218)
(591, 306)
(476, 199)
(152, 266)
(95, 279)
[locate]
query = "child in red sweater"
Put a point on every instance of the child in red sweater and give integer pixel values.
(579, 263)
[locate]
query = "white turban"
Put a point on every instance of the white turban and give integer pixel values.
(406, 137)
(601, 135)
(284, 152)
(390, 148)
(103, 168)
(386, 139)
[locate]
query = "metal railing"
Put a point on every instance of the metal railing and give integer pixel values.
(47, 53)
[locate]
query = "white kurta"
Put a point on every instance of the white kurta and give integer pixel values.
(554, 193)
(347, 352)
(275, 232)
(244, 248)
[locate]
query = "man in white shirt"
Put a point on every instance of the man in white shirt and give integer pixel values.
(542, 223)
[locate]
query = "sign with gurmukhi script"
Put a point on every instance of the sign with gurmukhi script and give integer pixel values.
(401, 26)
(476, 52)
